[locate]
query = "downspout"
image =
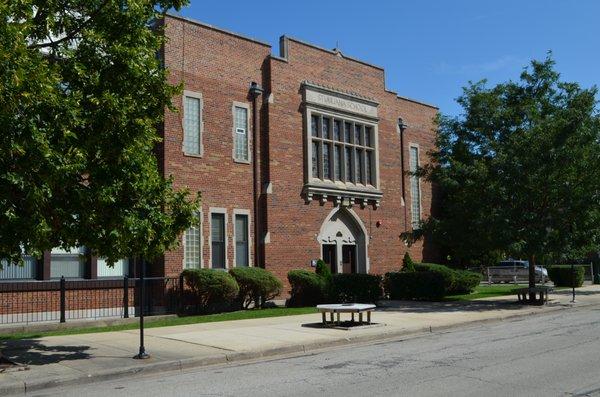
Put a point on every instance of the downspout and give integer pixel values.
(255, 91)
(402, 127)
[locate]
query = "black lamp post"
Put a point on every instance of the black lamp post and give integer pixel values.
(142, 353)
(573, 280)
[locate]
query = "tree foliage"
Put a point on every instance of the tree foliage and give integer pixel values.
(82, 92)
(519, 170)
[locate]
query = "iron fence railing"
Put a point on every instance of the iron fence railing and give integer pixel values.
(63, 300)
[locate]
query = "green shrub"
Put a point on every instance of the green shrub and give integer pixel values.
(357, 288)
(308, 288)
(562, 276)
(465, 282)
(256, 285)
(448, 275)
(419, 285)
(210, 290)
(407, 263)
(323, 270)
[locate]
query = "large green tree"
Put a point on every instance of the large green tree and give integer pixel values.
(82, 92)
(519, 170)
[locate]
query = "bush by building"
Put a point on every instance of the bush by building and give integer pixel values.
(357, 288)
(256, 285)
(419, 285)
(465, 282)
(562, 276)
(210, 290)
(308, 288)
(407, 263)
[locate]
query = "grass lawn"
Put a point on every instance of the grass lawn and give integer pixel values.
(489, 291)
(169, 321)
(486, 291)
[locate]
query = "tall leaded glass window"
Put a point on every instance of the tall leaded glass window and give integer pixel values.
(217, 237)
(241, 133)
(192, 254)
(415, 189)
(241, 240)
(342, 150)
(337, 162)
(192, 123)
(326, 161)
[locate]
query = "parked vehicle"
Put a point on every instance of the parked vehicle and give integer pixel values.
(514, 270)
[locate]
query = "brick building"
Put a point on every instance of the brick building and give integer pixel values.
(298, 156)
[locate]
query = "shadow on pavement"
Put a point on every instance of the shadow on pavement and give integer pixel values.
(32, 352)
(447, 307)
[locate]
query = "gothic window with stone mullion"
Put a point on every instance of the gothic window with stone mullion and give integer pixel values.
(342, 150)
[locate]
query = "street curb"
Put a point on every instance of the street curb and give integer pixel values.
(238, 357)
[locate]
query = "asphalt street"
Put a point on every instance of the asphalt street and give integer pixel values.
(545, 355)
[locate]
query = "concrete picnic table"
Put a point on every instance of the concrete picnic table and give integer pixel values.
(352, 308)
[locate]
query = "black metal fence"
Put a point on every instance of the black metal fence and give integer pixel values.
(63, 300)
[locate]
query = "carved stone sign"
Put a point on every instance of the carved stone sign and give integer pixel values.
(340, 101)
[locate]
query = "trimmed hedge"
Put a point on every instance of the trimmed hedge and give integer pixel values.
(562, 276)
(210, 290)
(308, 288)
(465, 282)
(419, 285)
(323, 270)
(256, 285)
(357, 288)
(447, 274)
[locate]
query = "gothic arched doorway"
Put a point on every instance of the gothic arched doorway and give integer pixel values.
(343, 240)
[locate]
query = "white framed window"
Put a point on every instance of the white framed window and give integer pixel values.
(192, 123)
(119, 269)
(218, 238)
(415, 186)
(241, 141)
(241, 231)
(192, 244)
(342, 149)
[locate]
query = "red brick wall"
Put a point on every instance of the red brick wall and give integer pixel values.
(294, 225)
(221, 66)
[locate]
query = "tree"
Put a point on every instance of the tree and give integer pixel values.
(81, 95)
(519, 170)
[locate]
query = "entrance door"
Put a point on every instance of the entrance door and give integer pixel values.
(330, 256)
(349, 258)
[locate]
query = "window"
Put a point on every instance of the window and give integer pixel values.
(192, 124)
(342, 150)
(192, 245)
(240, 149)
(242, 252)
(217, 232)
(69, 263)
(119, 269)
(415, 188)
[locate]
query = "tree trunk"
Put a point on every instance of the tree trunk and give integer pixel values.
(531, 277)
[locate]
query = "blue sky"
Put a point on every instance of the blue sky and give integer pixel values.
(430, 49)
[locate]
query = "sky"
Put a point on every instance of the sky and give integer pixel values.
(429, 49)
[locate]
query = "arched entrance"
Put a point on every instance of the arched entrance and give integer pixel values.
(343, 240)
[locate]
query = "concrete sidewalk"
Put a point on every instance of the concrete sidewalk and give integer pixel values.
(74, 359)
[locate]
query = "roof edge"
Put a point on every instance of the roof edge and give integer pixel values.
(417, 102)
(212, 27)
(332, 52)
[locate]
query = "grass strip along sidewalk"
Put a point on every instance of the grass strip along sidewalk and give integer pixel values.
(170, 321)
(482, 291)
